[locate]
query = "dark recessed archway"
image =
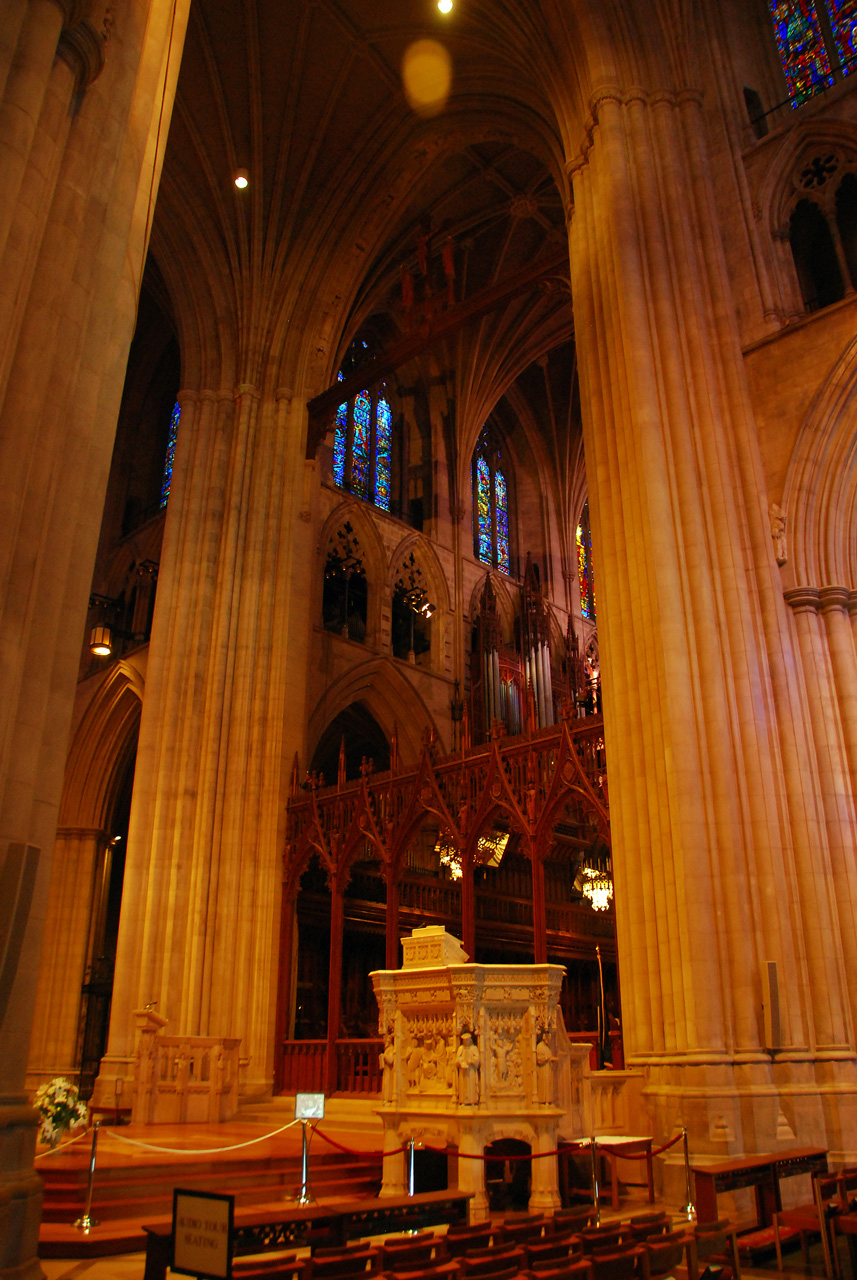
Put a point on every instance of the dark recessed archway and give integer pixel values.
(364, 739)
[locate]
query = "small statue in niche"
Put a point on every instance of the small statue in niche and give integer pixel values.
(467, 1061)
(387, 1059)
(544, 1070)
(778, 532)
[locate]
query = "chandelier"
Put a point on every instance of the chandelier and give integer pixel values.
(594, 880)
(489, 851)
(597, 886)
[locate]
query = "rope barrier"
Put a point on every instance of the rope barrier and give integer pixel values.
(198, 1151)
(54, 1151)
(367, 1155)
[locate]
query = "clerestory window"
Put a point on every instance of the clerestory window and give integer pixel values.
(490, 503)
(362, 448)
(817, 40)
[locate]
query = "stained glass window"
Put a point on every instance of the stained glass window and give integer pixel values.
(340, 443)
(843, 20)
(801, 45)
(383, 449)
(490, 504)
(584, 566)
(171, 453)
(363, 441)
(360, 444)
(501, 507)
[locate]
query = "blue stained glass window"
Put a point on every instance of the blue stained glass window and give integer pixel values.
(502, 522)
(340, 443)
(490, 504)
(383, 446)
(483, 510)
(843, 20)
(360, 445)
(171, 453)
(363, 442)
(801, 46)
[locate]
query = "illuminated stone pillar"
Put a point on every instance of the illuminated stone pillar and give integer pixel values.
(73, 225)
(722, 857)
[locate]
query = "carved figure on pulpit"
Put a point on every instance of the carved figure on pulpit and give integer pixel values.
(429, 1063)
(467, 1061)
(387, 1059)
(544, 1071)
(415, 1058)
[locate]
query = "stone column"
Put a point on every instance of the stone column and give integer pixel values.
(73, 902)
(721, 854)
(73, 225)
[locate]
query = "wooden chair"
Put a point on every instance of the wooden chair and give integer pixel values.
(525, 1229)
(551, 1247)
(665, 1251)
(812, 1218)
(607, 1237)
(618, 1264)
(643, 1225)
(575, 1219)
(490, 1262)
(418, 1251)
(461, 1238)
(572, 1268)
(342, 1264)
(714, 1242)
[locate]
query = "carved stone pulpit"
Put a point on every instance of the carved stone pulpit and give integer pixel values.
(473, 1053)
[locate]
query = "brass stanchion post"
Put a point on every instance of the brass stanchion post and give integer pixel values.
(595, 1202)
(688, 1208)
(304, 1197)
(86, 1222)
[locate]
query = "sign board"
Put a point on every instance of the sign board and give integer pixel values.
(202, 1234)
(309, 1106)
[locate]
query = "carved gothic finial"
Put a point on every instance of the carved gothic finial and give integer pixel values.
(394, 749)
(340, 773)
(295, 775)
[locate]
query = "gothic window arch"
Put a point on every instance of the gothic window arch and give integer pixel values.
(345, 593)
(412, 612)
(363, 441)
(822, 226)
(816, 40)
(491, 503)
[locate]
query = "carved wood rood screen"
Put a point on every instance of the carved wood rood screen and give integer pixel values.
(547, 790)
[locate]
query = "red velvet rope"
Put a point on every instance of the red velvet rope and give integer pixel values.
(537, 1155)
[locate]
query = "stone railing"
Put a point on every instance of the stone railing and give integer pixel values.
(183, 1079)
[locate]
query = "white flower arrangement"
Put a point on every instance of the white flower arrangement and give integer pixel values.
(60, 1108)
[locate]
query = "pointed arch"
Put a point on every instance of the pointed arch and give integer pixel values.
(820, 495)
(384, 690)
(104, 742)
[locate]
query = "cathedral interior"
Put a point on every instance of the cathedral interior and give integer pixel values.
(431, 498)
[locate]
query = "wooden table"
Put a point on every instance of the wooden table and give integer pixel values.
(332, 1224)
(762, 1173)
(619, 1145)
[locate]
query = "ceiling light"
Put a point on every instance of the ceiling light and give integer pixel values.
(242, 179)
(445, 6)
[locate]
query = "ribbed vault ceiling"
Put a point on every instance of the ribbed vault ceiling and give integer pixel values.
(344, 181)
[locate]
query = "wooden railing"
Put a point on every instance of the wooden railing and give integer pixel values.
(358, 1067)
(303, 1066)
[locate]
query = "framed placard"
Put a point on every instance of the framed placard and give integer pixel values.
(309, 1106)
(202, 1234)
